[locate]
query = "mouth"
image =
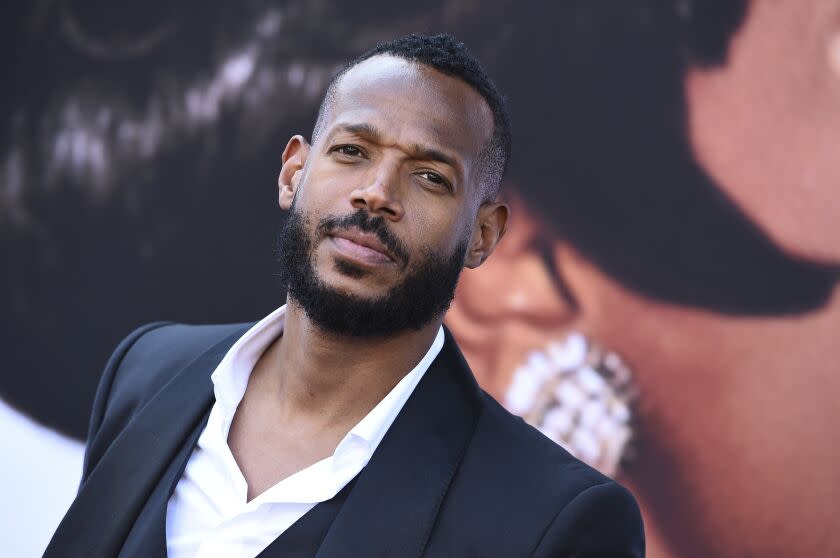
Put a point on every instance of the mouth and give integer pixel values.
(363, 247)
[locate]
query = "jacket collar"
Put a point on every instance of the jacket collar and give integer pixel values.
(397, 496)
(111, 498)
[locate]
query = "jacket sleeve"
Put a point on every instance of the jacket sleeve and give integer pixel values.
(103, 391)
(603, 521)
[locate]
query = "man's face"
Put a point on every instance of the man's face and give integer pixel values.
(385, 200)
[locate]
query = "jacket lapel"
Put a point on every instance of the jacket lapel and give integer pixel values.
(118, 488)
(392, 508)
(389, 512)
(147, 539)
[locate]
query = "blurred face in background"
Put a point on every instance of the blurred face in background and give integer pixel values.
(735, 416)
(766, 126)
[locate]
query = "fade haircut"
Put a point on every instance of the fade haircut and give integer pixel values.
(449, 56)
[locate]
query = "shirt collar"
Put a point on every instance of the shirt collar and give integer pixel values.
(375, 424)
(231, 375)
(230, 379)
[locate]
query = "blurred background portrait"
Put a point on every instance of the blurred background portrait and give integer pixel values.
(664, 303)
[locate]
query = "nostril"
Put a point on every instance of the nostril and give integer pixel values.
(390, 211)
(377, 200)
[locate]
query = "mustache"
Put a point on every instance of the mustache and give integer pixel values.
(363, 221)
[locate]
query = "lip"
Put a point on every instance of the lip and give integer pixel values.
(361, 246)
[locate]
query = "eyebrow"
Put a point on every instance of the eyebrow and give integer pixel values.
(363, 129)
(431, 154)
(416, 151)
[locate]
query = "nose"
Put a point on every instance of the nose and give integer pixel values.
(381, 194)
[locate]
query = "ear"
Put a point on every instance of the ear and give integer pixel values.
(294, 159)
(490, 226)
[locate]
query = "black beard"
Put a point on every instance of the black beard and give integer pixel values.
(423, 295)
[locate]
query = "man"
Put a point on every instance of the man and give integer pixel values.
(121, 119)
(118, 107)
(346, 422)
(120, 88)
(683, 213)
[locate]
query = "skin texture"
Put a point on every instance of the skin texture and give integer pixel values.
(737, 414)
(778, 100)
(428, 205)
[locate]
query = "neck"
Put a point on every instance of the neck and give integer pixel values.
(332, 379)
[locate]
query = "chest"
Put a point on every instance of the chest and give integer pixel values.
(268, 449)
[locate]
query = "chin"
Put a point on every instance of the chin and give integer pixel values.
(362, 285)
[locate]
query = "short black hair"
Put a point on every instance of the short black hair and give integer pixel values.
(449, 56)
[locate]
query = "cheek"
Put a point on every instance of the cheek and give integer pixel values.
(779, 164)
(316, 200)
(766, 127)
(325, 187)
(731, 409)
(431, 226)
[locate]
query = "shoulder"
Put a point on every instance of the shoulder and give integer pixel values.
(160, 352)
(168, 347)
(145, 361)
(541, 466)
(514, 477)
(139, 367)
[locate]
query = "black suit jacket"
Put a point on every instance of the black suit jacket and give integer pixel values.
(455, 475)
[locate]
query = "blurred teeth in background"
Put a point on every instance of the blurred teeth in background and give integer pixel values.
(580, 395)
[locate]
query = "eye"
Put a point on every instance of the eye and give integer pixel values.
(434, 178)
(348, 150)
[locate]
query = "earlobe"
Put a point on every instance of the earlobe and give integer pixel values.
(294, 159)
(490, 227)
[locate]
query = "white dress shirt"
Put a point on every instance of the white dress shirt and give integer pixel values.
(208, 514)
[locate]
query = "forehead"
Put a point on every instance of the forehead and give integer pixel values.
(413, 103)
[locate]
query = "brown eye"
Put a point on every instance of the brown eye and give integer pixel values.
(349, 150)
(434, 178)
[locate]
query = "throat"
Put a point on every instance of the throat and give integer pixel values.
(269, 449)
(307, 391)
